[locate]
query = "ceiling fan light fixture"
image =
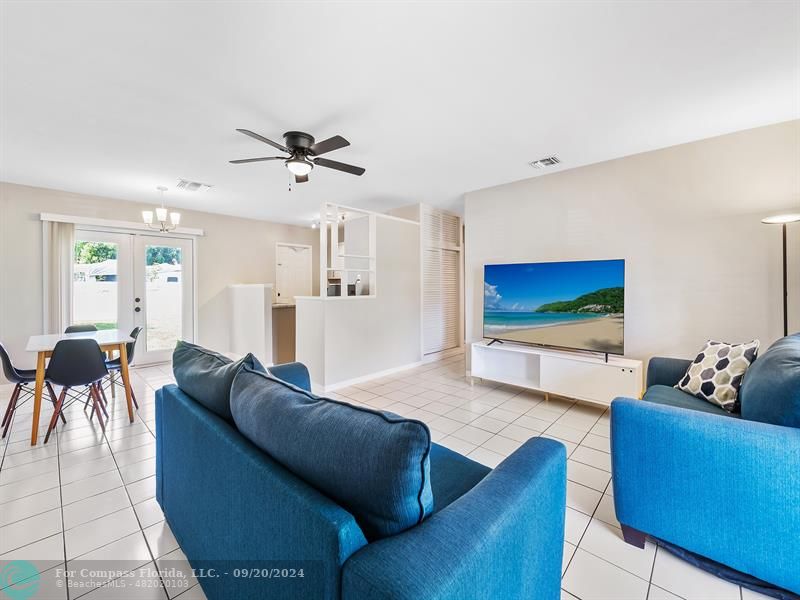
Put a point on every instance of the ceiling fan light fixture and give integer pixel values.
(299, 166)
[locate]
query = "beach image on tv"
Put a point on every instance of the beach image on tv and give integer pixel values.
(578, 305)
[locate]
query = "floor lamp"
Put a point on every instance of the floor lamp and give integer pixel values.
(783, 220)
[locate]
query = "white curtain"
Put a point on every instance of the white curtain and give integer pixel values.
(59, 244)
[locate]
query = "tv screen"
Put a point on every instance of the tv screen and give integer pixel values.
(577, 305)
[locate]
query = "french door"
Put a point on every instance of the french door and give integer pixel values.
(127, 280)
(163, 298)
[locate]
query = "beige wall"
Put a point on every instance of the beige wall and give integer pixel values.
(233, 250)
(686, 219)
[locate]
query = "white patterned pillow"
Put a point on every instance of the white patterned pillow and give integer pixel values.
(716, 373)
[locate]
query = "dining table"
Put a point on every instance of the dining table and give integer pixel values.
(109, 340)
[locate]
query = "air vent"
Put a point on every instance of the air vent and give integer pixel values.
(193, 186)
(543, 163)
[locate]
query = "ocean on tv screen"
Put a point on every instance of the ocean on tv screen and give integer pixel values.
(579, 305)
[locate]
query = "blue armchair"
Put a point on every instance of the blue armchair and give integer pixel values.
(724, 487)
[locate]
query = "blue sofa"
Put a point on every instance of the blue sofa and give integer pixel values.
(493, 533)
(724, 487)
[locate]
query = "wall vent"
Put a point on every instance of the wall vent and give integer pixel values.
(193, 186)
(543, 163)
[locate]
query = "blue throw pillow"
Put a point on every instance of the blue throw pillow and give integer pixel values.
(207, 376)
(375, 464)
(771, 389)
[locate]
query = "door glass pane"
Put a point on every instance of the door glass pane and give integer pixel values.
(94, 272)
(163, 296)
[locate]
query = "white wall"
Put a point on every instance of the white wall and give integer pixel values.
(342, 338)
(233, 250)
(687, 221)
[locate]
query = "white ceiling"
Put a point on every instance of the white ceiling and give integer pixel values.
(437, 98)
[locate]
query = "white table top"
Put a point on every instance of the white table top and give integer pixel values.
(45, 343)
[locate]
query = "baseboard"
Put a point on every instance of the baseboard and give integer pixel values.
(434, 356)
(347, 383)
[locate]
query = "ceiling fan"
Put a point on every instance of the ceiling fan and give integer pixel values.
(303, 153)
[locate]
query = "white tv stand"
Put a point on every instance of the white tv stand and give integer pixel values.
(580, 376)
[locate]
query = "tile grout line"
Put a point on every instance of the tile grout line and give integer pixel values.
(591, 518)
(652, 570)
(136, 515)
(61, 505)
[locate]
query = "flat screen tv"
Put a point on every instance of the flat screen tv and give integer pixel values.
(576, 305)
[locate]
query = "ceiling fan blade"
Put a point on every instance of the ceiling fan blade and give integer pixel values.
(249, 160)
(332, 164)
(328, 145)
(300, 178)
(261, 138)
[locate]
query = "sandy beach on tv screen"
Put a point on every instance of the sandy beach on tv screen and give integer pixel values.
(603, 334)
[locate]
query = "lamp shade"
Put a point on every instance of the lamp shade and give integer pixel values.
(781, 219)
(147, 216)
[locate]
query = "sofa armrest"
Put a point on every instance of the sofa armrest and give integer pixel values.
(231, 506)
(502, 539)
(666, 371)
(295, 373)
(722, 487)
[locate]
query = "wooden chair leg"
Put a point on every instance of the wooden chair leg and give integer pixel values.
(12, 405)
(133, 397)
(97, 403)
(99, 388)
(11, 402)
(54, 399)
(112, 377)
(56, 412)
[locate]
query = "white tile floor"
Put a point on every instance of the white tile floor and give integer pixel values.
(85, 497)
(88, 500)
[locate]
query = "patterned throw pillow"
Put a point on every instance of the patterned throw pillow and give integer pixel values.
(716, 374)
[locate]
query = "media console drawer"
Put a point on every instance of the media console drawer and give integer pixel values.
(599, 382)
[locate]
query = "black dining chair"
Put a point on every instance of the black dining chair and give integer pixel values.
(22, 378)
(114, 365)
(76, 363)
(84, 328)
(80, 328)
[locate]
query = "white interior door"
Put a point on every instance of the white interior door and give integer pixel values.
(292, 272)
(163, 298)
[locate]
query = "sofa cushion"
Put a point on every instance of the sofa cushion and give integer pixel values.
(452, 475)
(669, 396)
(207, 376)
(374, 464)
(771, 390)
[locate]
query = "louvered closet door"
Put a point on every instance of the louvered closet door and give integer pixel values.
(432, 301)
(441, 285)
(450, 305)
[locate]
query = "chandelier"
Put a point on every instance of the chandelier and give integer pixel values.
(166, 221)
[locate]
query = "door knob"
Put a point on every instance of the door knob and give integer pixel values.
(137, 299)
(138, 309)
